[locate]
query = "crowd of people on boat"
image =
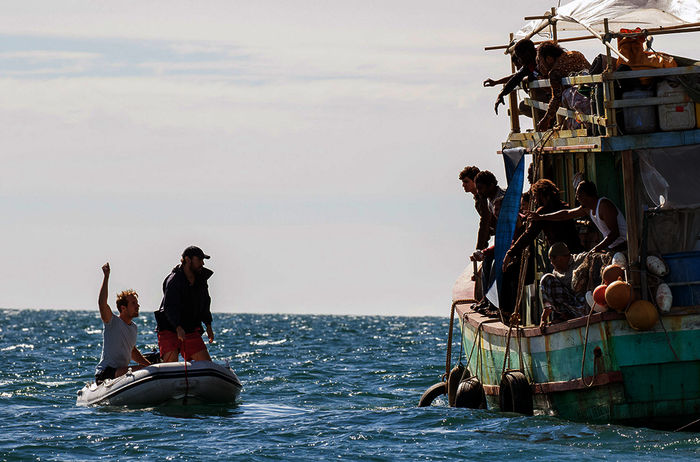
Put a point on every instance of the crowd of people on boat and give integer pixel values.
(185, 306)
(572, 268)
(549, 60)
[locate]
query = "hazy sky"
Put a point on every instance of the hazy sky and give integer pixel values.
(311, 148)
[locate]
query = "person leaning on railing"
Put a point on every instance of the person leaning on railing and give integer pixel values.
(602, 212)
(524, 58)
(554, 63)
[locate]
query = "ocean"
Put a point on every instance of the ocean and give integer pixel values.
(315, 388)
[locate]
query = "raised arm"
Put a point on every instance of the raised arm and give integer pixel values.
(608, 213)
(560, 215)
(105, 311)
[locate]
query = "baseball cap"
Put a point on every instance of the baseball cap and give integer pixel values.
(194, 251)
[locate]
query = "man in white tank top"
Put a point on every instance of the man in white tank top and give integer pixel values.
(606, 216)
(119, 345)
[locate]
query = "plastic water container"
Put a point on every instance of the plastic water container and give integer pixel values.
(679, 116)
(640, 119)
(684, 267)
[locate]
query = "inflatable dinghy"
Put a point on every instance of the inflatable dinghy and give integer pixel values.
(202, 382)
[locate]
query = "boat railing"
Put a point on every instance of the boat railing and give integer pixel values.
(605, 116)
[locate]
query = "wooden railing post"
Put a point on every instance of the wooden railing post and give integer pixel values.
(513, 100)
(609, 91)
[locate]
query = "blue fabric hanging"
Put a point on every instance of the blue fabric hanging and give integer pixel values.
(510, 207)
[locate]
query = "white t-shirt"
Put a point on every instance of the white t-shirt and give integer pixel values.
(119, 341)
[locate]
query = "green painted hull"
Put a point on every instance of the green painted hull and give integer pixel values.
(656, 373)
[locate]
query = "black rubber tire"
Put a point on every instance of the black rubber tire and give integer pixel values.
(453, 382)
(431, 393)
(471, 394)
(515, 394)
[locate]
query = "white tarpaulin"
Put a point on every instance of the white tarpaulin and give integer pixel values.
(627, 14)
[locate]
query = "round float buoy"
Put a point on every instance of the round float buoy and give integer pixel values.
(471, 394)
(657, 266)
(599, 295)
(619, 259)
(515, 394)
(431, 393)
(453, 382)
(642, 315)
(612, 273)
(618, 295)
(664, 297)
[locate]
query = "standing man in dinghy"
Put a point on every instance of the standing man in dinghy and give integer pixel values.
(119, 344)
(186, 305)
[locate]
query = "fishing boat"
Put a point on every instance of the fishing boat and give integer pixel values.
(622, 366)
(198, 382)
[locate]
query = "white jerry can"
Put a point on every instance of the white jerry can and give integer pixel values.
(677, 116)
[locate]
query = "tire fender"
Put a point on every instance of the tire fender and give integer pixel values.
(471, 394)
(515, 394)
(431, 393)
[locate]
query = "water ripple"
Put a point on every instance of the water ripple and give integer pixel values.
(316, 388)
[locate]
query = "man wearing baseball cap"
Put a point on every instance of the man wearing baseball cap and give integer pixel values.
(186, 305)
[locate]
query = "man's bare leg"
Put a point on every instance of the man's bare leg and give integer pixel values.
(201, 355)
(171, 356)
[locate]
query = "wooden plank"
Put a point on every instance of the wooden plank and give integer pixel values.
(542, 83)
(538, 136)
(651, 140)
(604, 378)
(633, 216)
(569, 113)
(609, 90)
(653, 101)
(513, 102)
(579, 79)
(681, 28)
(655, 72)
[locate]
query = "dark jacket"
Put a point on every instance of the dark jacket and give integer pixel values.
(183, 304)
(487, 222)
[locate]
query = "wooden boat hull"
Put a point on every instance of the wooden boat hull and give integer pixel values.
(650, 378)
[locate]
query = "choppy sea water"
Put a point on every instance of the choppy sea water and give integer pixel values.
(315, 387)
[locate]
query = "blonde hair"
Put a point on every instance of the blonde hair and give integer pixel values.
(122, 298)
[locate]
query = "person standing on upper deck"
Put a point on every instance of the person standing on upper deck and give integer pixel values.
(525, 57)
(602, 212)
(554, 63)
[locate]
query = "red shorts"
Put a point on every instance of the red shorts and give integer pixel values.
(168, 341)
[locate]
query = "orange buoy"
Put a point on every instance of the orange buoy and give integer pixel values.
(618, 295)
(642, 315)
(599, 294)
(612, 273)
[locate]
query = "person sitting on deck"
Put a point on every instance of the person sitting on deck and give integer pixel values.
(546, 195)
(604, 214)
(554, 63)
(525, 59)
(558, 296)
(119, 344)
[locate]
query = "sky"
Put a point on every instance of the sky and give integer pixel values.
(312, 148)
